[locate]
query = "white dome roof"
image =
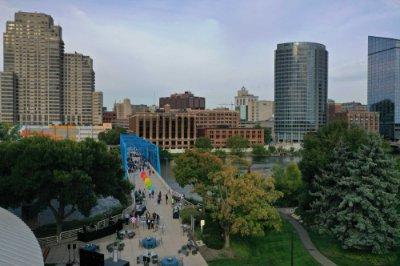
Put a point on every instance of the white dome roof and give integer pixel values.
(18, 244)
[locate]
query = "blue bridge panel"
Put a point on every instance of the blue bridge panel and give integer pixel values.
(147, 149)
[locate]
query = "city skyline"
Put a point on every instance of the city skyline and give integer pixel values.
(146, 50)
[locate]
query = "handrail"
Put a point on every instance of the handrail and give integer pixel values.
(48, 241)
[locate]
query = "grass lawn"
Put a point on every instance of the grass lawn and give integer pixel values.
(273, 249)
(332, 249)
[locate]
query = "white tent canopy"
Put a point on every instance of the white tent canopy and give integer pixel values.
(18, 244)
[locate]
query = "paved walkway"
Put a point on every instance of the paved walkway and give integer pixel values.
(305, 238)
(173, 237)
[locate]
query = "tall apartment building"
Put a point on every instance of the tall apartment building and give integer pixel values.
(78, 89)
(124, 109)
(8, 112)
(301, 89)
(183, 101)
(384, 85)
(97, 108)
(169, 130)
(33, 50)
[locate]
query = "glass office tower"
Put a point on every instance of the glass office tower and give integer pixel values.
(301, 89)
(384, 84)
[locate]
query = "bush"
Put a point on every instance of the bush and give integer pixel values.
(259, 151)
(187, 212)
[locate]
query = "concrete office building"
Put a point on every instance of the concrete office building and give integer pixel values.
(182, 101)
(384, 85)
(78, 89)
(123, 109)
(33, 50)
(244, 104)
(169, 130)
(97, 108)
(8, 112)
(301, 88)
(261, 110)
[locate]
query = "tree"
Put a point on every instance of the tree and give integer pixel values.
(9, 132)
(271, 149)
(267, 133)
(203, 143)
(242, 203)
(288, 180)
(317, 154)
(221, 154)
(237, 144)
(165, 154)
(356, 195)
(259, 150)
(111, 136)
(63, 176)
(194, 167)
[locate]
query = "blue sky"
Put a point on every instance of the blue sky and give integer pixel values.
(147, 49)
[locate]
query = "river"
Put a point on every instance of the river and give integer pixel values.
(263, 165)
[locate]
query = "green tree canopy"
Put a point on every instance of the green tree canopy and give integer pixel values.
(111, 136)
(194, 167)
(237, 144)
(356, 197)
(203, 143)
(288, 180)
(259, 150)
(317, 154)
(242, 203)
(63, 176)
(9, 132)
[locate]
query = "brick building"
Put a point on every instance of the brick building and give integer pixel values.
(109, 116)
(169, 130)
(183, 101)
(219, 136)
(364, 119)
(221, 117)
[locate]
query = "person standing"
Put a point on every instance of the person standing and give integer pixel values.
(166, 198)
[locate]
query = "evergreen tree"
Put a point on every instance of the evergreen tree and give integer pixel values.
(355, 197)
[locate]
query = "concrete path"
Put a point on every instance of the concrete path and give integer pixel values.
(305, 238)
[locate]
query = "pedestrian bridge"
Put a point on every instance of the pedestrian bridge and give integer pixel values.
(147, 149)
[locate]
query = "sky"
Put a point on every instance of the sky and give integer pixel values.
(147, 49)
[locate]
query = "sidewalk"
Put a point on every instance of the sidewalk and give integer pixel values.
(305, 238)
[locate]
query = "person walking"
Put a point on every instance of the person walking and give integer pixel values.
(166, 198)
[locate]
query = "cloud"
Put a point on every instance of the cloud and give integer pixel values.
(146, 48)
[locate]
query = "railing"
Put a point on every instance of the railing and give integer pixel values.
(69, 234)
(48, 241)
(72, 235)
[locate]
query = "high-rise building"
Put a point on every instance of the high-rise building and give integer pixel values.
(244, 102)
(384, 85)
(124, 109)
(33, 50)
(97, 108)
(301, 89)
(8, 112)
(183, 101)
(78, 89)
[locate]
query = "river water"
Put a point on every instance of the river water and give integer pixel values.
(263, 165)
